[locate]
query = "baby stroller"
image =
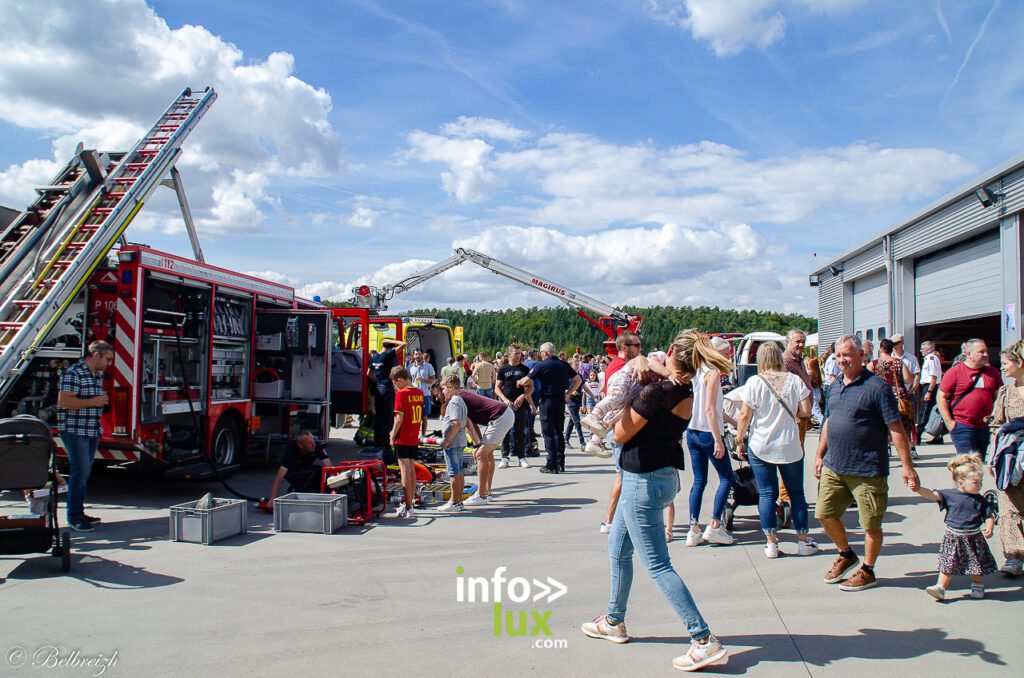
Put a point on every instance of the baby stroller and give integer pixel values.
(28, 460)
(744, 489)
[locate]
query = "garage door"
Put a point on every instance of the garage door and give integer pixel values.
(871, 306)
(962, 282)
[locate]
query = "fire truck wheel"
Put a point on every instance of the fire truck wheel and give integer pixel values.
(227, 442)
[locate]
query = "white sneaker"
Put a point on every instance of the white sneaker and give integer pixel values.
(606, 528)
(771, 549)
(476, 500)
(523, 463)
(402, 510)
(694, 537)
(977, 591)
(602, 628)
(410, 513)
(914, 454)
(718, 535)
(596, 448)
(701, 655)
(806, 548)
(449, 507)
(1012, 567)
(936, 592)
(594, 425)
(503, 463)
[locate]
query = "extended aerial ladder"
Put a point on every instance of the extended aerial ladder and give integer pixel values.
(610, 320)
(49, 251)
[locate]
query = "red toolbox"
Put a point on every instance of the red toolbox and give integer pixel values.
(370, 492)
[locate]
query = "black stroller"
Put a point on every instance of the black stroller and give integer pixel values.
(744, 489)
(28, 460)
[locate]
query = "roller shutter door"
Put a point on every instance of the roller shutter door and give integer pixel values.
(965, 281)
(870, 305)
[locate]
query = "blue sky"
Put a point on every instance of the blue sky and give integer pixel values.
(641, 151)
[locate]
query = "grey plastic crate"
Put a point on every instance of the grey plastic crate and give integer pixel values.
(226, 518)
(309, 512)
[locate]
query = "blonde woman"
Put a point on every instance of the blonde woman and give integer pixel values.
(705, 441)
(1009, 406)
(649, 431)
(772, 402)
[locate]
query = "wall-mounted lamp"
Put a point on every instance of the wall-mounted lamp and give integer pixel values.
(987, 197)
(813, 280)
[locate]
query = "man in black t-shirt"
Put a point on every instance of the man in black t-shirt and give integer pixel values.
(519, 398)
(558, 382)
(384, 395)
(301, 465)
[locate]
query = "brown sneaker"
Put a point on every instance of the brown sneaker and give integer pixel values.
(837, 572)
(861, 579)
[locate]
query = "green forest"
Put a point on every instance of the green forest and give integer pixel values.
(490, 331)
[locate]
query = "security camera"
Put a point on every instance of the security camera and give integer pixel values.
(835, 270)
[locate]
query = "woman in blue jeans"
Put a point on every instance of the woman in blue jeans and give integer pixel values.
(771, 403)
(650, 430)
(706, 445)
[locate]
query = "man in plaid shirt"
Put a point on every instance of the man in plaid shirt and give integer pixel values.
(80, 401)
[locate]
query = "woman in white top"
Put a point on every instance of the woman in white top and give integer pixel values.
(771, 403)
(706, 446)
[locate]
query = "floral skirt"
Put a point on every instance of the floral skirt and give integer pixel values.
(965, 554)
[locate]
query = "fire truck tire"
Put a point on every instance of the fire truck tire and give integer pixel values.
(227, 442)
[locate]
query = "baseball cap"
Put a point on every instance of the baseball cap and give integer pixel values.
(896, 338)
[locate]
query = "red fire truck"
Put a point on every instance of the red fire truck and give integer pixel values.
(207, 361)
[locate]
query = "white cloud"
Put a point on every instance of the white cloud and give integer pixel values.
(470, 127)
(731, 26)
(585, 183)
(468, 178)
(668, 264)
(363, 217)
(266, 124)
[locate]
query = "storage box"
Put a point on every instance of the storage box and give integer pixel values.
(269, 342)
(272, 389)
(226, 518)
(309, 512)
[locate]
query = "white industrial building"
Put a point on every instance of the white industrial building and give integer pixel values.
(948, 273)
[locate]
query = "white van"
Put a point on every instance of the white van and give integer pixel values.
(745, 354)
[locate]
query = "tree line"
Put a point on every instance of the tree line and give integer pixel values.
(490, 331)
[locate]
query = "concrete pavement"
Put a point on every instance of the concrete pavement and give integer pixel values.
(383, 598)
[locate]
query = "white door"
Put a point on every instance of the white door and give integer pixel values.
(871, 307)
(962, 282)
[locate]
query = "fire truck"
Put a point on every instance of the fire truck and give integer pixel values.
(207, 362)
(609, 319)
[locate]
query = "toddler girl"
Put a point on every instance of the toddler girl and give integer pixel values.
(963, 550)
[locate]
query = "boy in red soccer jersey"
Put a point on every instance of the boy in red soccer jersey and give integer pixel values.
(405, 435)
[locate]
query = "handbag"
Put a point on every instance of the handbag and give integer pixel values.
(904, 404)
(936, 427)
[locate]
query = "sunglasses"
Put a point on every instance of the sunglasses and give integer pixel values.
(634, 344)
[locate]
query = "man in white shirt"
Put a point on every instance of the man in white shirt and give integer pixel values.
(930, 377)
(831, 369)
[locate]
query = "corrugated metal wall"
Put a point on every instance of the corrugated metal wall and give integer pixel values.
(963, 282)
(864, 263)
(962, 219)
(830, 309)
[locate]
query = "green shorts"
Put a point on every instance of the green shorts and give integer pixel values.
(836, 491)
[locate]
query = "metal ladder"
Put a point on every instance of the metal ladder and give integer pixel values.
(36, 301)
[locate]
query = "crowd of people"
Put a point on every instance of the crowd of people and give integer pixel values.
(639, 409)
